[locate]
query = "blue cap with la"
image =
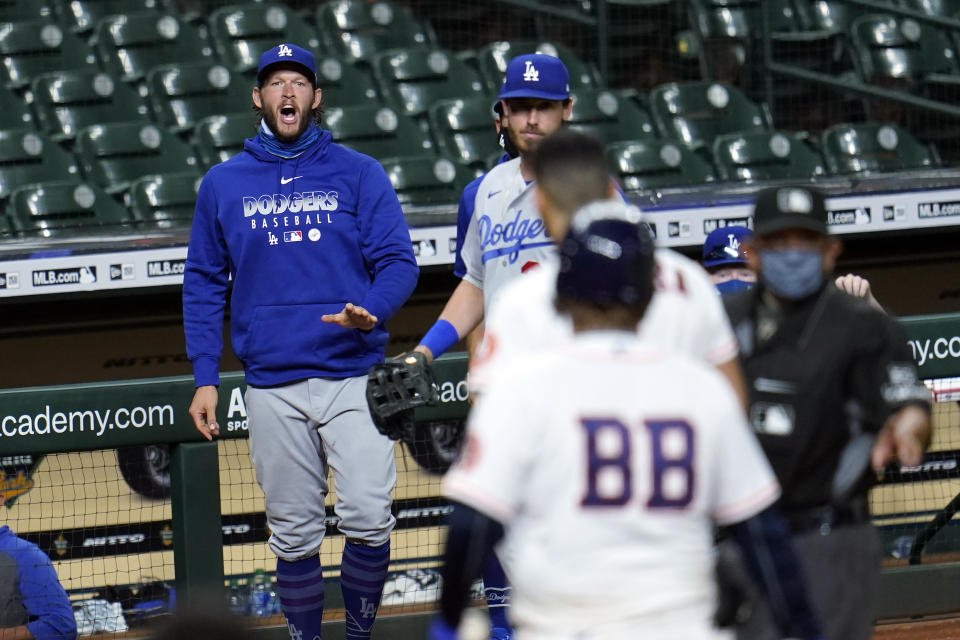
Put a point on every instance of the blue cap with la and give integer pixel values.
(287, 54)
(723, 246)
(536, 75)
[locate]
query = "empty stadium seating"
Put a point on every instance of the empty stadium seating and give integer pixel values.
(182, 94)
(66, 208)
(378, 131)
(414, 78)
(32, 47)
(464, 130)
(113, 155)
(81, 16)
(67, 101)
(242, 32)
(218, 138)
(652, 164)
(129, 45)
(344, 82)
(27, 156)
(164, 201)
(424, 180)
(697, 112)
(609, 117)
(358, 30)
(763, 155)
(873, 147)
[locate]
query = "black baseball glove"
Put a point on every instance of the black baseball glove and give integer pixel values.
(397, 387)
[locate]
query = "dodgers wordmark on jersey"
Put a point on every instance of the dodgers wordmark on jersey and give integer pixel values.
(506, 235)
(609, 479)
(685, 315)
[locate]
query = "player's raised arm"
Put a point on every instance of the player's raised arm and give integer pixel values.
(461, 315)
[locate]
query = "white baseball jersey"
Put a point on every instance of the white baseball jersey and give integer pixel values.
(506, 235)
(685, 315)
(609, 460)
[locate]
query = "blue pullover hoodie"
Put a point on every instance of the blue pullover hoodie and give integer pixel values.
(300, 237)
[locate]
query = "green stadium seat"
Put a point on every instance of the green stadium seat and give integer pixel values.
(14, 10)
(894, 50)
(609, 117)
(164, 201)
(113, 155)
(131, 44)
(425, 181)
(345, 83)
(67, 101)
(833, 15)
(697, 112)
(377, 131)
(762, 155)
(873, 147)
(414, 78)
(493, 58)
(66, 208)
(940, 8)
(219, 138)
(464, 130)
(14, 111)
(30, 48)
(81, 16)
(182, 94)
(654, 164)
(242, 32)
(358, 30)
(740, 18)
(8, 230)
(27, 156)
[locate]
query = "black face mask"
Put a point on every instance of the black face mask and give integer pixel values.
(503, 139)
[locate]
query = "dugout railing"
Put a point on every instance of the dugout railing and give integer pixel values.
(195, 487)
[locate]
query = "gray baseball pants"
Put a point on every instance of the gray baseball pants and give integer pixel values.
(298, 432)
(843, 572)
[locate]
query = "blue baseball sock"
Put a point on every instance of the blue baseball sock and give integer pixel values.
(300, 589)
(497, 592)
(362, 573)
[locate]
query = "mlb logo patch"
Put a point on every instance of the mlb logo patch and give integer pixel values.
(293, 236)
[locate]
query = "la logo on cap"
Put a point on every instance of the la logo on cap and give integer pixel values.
(284, 50)
(531, 74)
(794, 201)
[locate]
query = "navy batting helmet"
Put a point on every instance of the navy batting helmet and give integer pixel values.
(607, 257)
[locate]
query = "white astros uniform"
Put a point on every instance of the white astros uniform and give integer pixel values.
(609, 460)
(506, 235)
(685, 315)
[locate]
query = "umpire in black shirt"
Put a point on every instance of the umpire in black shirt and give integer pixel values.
(833, 391)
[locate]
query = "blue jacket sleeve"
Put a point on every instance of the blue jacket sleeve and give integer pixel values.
(385, 242)
(464, 214)
(205, 279)
(49, 614)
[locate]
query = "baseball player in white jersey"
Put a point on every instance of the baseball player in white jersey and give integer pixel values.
(686, 313)
(506, 235)
(606, 477)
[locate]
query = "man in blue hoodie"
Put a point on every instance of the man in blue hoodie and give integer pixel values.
(33, 604)
(313, 237)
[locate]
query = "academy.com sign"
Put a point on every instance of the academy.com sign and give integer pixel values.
(93, 421)
(929, 349)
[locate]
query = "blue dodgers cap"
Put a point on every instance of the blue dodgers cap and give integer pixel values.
(536, 75)
(724, 247)
(289, 54)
